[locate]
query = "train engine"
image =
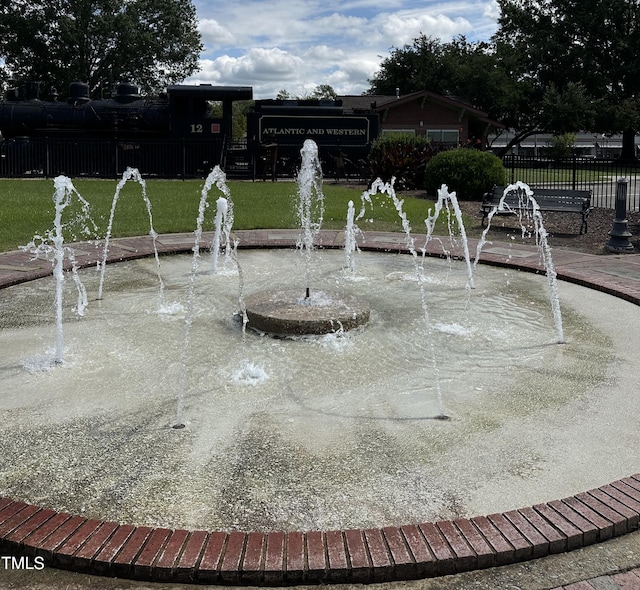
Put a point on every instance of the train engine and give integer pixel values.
(172, 135)
(276, 129)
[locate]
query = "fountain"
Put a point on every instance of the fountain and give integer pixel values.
(288, 312)
(525, 195)
(351, 233)
(338, 430)
(223, 221)
(131, 174)
(218, 178)
(387, 188)
(52, 244)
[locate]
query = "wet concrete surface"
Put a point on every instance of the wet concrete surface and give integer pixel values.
(599, 565)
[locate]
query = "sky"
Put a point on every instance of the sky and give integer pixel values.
(297, 45)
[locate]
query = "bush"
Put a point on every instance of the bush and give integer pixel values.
(561, 147)
(402, 156)
(469, 172)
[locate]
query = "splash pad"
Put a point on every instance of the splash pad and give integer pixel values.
(372, 450)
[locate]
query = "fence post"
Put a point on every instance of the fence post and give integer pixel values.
(184, 159)
(47, 158)
(619, 236)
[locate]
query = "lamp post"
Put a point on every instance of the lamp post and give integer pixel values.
(618, 242)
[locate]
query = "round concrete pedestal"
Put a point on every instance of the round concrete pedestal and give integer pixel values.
(292, 313)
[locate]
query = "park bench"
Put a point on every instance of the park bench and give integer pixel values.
(548, 199)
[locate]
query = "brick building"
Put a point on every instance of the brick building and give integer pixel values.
(442, 119)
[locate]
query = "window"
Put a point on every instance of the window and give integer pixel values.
(443, 135)
(399, 132)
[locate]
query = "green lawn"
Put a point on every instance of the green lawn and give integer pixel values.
(581, 176)
(27, 208)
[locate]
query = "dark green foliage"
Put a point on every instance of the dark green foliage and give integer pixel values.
(101, 42)
(403, 157)
(468, 172)
(581, 58)
(470, 71)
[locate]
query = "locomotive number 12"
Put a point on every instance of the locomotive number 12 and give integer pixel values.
(196, 128)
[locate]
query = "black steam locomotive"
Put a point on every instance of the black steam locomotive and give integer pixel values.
(172, 136)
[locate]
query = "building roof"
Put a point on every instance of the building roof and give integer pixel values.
(366, 102)
(380, 102)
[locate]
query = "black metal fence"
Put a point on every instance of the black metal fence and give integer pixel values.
(595, 174)
(107, 158)
(344, 162)
(161, 158)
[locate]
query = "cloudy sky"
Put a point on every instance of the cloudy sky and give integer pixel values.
(298, 44)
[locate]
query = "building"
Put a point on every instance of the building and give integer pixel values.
(587, 145)
(442, 119)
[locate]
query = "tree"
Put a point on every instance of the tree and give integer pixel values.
(468, 71)
(561, 146)
(283, 94)
(101, 42)
(412, 68)
(320, 92)
(580, 57)
(239, 110)
(324, 92)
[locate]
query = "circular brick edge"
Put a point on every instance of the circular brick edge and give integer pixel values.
(286, 558)
(314, 557)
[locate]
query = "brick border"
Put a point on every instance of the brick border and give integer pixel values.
(279, 558)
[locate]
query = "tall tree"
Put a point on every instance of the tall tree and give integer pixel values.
(412, 68)
(151, 42)
(320, 92)
(579, 56)
(469, 71)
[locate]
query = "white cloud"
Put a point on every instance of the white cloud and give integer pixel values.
(324, 55)
(214, 34)
(257, 65)
(402, 29)
(491, 10)
(298, 44)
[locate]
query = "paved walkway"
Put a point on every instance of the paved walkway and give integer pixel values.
(605, 518)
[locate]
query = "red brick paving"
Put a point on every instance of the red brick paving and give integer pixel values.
(628, 580)
(390, 553)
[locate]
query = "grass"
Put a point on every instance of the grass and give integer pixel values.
(27, 208)
(567, 175)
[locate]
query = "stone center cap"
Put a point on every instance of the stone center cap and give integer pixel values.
(289, 312)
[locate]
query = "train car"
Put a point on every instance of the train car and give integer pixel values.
(276, 129)
(173, 135)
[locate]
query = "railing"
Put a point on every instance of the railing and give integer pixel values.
(598, 175)
(107, 158)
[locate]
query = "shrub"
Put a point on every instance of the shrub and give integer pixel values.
(469, 172)
(561, 146)
(402, 156)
